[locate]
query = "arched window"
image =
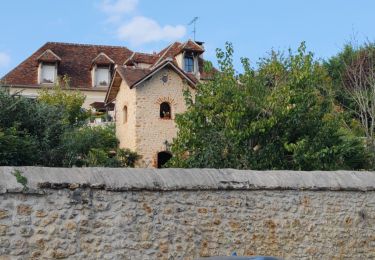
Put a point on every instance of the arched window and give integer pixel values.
(125, 114)
(165, 110)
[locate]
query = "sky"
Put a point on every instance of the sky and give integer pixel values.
(254, 27)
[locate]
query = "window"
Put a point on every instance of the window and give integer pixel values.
(189, 62)
(102, 77)
(125, 115)
(48, 72)
(165, 110)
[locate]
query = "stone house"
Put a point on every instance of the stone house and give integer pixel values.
(144, 91)
(149, 93)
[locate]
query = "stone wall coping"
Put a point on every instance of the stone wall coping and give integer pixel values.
(123, 179)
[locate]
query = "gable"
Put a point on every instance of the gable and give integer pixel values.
(136, 76)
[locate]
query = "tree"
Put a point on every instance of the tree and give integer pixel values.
(280, 116)
(353, 71)
(96, 146)
(29, 131)
(49, 131)
(61, 95)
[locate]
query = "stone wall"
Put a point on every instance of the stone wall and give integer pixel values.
(125, 130)
(95, 213)
(151, 130)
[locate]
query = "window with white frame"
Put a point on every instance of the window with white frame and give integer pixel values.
(48, 73)
(102, 76)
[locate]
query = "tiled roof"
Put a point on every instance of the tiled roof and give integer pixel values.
(169, 52)
(177, 47)
(192, 46)
(102, 59)
(49, 56)
(133, 75)
(145, 58)
(76, 61)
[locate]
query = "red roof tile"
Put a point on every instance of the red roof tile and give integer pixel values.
(138, 57)
(175, 48)
(145, 58)
(102, 59)
(76, 61)
(49, 56)
(169, 52)
(192, 46)
(133, 75)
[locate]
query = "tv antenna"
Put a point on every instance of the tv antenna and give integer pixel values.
(194, 21)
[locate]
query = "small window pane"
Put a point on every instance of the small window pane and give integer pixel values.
(189, 63)
(102, 77)
(48, 74)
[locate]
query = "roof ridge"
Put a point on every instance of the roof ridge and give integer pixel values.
(194, 42)
(88, 45)
(145, 53)
(132, 68)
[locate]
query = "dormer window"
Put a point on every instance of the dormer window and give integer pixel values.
(189, 62)
(101, 70)
(102, 77)
(48, 73)
(48, 62)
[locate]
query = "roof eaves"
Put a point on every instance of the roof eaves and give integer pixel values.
(110, 88)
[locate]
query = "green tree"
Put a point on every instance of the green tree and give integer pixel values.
(61, 95)
(29, 131)
(280, 116)
(96, 146)
(38, 132)
(353, 74)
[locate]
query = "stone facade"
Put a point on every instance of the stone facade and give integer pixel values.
(184, 214)
(144, 131)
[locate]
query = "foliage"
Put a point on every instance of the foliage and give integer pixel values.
(39, 132)
(96, 146)
(29, 132)
(353, 73)
(20, 178)
(61, 95)
(280, 116)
